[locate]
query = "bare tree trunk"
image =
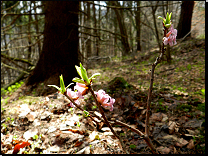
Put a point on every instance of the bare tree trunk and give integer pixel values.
(95, 31)
(29, 35)
(37, 29)
(124, 37)
(138, 26)
(154, 8)
(89, 49)
(99, 20)
(184, 25)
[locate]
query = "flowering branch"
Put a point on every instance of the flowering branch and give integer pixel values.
(106, 120)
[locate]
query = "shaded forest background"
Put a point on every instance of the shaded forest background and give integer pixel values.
(106, 30)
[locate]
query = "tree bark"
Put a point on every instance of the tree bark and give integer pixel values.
(138, 25)
(184, 25)
(89, 49)
(154, 8)
(120, 19)
(60, 46)
(95, 31)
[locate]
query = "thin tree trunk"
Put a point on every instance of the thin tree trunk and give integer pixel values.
(154, 8)
(37, 29)
(138, 26)
(124, 37)
(95, 31)
(29, 36)
(89, 49)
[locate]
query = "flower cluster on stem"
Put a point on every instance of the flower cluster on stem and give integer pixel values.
(170, 37)
(104, 99)
(81, 89)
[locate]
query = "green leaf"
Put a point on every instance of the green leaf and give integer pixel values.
(167, 19)
(132, 146)
(69, 85)
(94, 75)
(203, 91)
(83, 69)
(167, 25)
(63, 89)
(170, 16)
(55, 87)
(76, 79)
(35, 137)
(160, 17)
(86, 113)
(79, 71)
(84, 74)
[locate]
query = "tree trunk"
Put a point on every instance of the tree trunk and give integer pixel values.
(154, 8)
(37, 29)
(184, 25)
(60, 46)
(124, 37)
(138, 26)
(95, 31)
(89, 49)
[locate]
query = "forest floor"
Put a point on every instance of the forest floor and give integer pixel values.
(177, 121)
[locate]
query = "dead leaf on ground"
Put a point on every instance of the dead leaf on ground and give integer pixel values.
(164, 150)
(156, 117)
(20, 145)
(191, 144)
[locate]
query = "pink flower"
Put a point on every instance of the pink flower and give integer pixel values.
(104, 99)
(170, 37)
(74, 96)
(81, 88)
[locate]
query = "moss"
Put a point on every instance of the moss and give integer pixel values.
(118, 83)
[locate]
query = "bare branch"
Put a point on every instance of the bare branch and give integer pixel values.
(16, 59)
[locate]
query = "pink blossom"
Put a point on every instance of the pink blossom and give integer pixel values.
(74, 96)
(170, 37)
(81, 88)
(104, 99)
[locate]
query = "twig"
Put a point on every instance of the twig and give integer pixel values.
(14, 68)
(78, 106)
(149, 99)
(106, 121)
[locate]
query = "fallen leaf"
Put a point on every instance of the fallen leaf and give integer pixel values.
(93, 135)
(78, 143)
(20, 145)
(77, 131)
(172, 126)
(194, 123)
(30, 133)
(191, 144)
(30, 117)
(54, 148)
(24, 110)
(156, 117)
(163, 150)
(183, 142)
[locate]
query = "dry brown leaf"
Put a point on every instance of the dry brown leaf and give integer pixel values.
(78, 143)
(191, 144)
(172, 126)
(164, 150)
(156, 117)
